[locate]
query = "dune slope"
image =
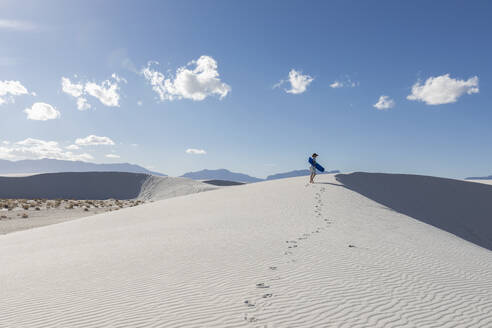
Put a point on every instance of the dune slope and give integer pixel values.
(459, 207)
(271, 254)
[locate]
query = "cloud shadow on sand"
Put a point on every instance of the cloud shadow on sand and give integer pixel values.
(459, 207)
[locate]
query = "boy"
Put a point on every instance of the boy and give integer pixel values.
(313, 168)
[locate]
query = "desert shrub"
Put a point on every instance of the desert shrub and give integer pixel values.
(25, 216)
(38, 209)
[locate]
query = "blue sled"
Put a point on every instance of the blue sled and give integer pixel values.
(317, 166)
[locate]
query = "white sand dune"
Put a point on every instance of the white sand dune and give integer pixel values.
(488, 182)
(98, 185)
(157, 188)
(270, 254)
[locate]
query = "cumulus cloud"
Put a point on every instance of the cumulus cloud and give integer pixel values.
(72, 147)
(344, 83)
(42, 112)
(384, 102)
(298, 82)
(195, 151)
(118, 78)
(82, 104)
(9, 89)
(197, 80)
(106, 92)
(73, 89)
(112, 156)
(443, 89)
(93, 140)
(336, 84)
(36, 149)
(16, 25)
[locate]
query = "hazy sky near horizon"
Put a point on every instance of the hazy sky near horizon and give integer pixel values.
(251, 86)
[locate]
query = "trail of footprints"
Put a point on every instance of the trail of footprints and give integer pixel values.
(264, 299)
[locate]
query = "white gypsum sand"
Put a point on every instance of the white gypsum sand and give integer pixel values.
(484, 181)
(273, 254)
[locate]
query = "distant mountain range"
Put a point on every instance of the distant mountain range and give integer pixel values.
(223, 174)
(295, 173)
(480, 178)
(220, 174)
(55, 165)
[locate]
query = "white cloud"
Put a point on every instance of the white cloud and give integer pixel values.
(189, 83)
(42, 112)
(336, 84)
(11, 89)
(82, 104)
(139, 103)
(443, 89)
(93, 140)
(195, 151)
(73, 89)
(106, 92)
(112, 156)
(36, 149)
(384, 102)
(72, 147)
(16, 25)
(344, 83)
(118, 78)
(298, 82)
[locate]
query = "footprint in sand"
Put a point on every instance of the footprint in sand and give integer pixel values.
(248, 303)
(267, 295)
(250, 319)
(262, 285)
(273, 268)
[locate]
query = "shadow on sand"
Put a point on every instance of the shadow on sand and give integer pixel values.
(74, 185)
(459, 207)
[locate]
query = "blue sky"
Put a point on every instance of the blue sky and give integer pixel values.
(343, 55)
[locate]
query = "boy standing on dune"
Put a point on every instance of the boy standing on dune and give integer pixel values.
(313, 168)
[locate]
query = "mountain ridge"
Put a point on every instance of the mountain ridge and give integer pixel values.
(224, 174)
(46, 165)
